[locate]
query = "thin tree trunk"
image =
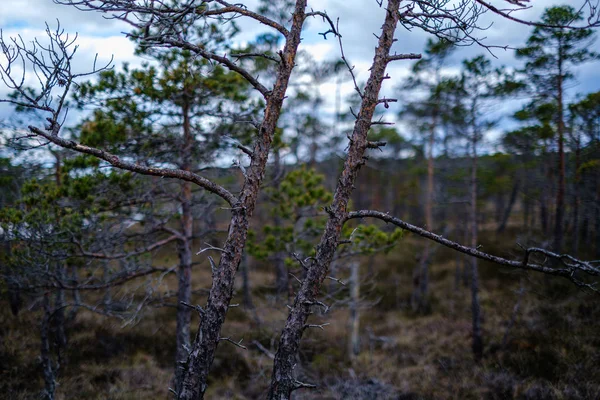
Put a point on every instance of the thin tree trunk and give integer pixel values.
(597, 222)
(585, 224)
(354, 320)
(475, 306)
(560, 194)
(58, 320)
(283, 381)
(281, 271)
(466, 260)
(513, 316)
(578, 188)
(49, 369)
(511, 203)
(419, 301)
(421, 273)
(457, 275)
(526, 210)
(184, 316)
(500, 208)
(247, 295)
(184, 272)
(544, 214)
(14, 294)
(213, 315)
(577, 202)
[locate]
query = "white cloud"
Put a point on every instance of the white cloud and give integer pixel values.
(358, 24)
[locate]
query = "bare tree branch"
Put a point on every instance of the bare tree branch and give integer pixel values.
(130, 166)
(570, 263)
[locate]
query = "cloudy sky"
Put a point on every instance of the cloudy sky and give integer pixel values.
(358, 22)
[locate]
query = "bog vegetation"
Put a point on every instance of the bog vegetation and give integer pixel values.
(210, 228)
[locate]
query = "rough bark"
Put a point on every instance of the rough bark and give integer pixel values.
(282, 379)
(213, 315)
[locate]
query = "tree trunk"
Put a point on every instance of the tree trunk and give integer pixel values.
(500, 207)
(597, 222)
(511, 203)
(58, 319)
(75, 294)
(526, 210)
(213, 315)
(560, 194)
(184, 272)
(418, 298)
(281, 271)
(282, 379)
(457, 273)
(184, 315)
(477, 344)
(247, 295)
(513, 316)
(577, 200)
(354, 320)
(14, 294)
(421, 274)
(544, 214)
(49, 369)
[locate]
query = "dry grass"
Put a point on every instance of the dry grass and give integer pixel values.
(553, 350)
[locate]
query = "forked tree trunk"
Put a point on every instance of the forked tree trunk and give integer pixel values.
(213, 315)
(282, 379)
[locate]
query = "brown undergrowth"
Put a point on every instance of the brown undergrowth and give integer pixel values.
(552, 351)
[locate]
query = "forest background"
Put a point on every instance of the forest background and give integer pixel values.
(102, 269)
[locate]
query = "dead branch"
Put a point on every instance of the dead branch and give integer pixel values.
(571, 264)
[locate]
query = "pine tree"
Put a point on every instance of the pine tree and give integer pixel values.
(550, 55)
